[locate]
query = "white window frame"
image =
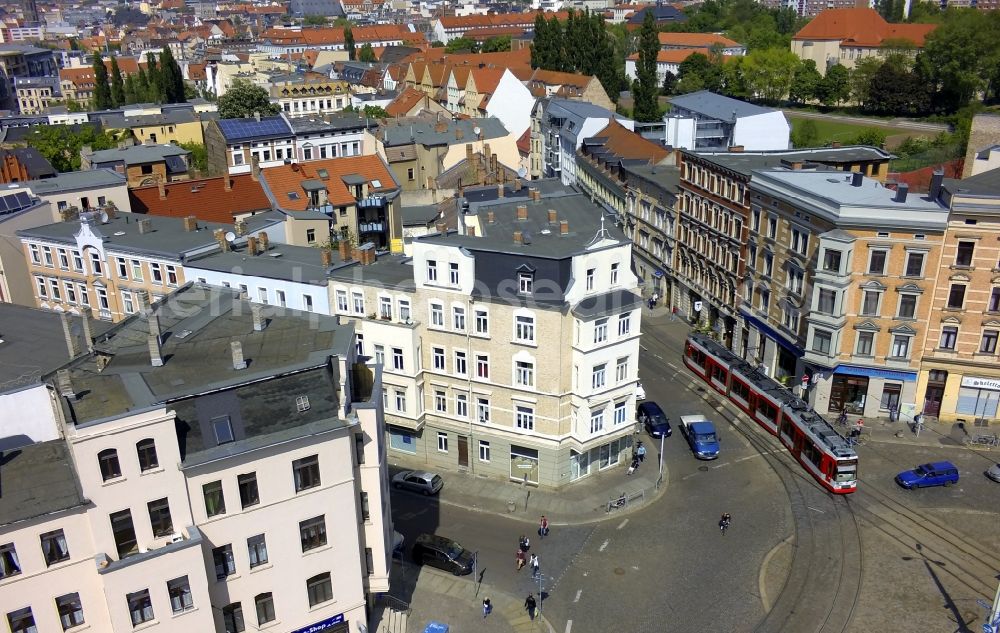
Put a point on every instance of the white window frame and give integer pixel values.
(442, 442)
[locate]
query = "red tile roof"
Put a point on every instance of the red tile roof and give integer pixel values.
(556, 78)
(404, 102)
(205, 199)
(626, 144)
(695, 40)
(524, 143)
(469, 22)
(285, 179)
(324, 35)
(860, 27)
(673, 55)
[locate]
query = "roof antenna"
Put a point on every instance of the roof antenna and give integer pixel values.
(602, 233)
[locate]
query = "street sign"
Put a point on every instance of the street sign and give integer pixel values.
(697, 306)
(805, 381)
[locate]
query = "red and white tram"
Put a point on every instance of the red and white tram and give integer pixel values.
(823, 452)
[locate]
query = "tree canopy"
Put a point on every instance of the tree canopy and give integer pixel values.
(61, 144)
(244, 99)
(102, 87)
(583, 45)
(645, 88)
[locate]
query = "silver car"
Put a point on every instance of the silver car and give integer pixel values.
(418, 481)
(993, 472)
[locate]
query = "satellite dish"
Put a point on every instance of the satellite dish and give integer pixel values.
(230, 237)
(477, 131)
(104, 217)
(522, 172)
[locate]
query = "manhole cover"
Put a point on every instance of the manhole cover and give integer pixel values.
(619, 571)
(703, 469)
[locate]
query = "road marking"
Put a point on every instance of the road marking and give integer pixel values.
(603, 545)
(623, 524)
(816, 510)
(722, 465)
(579, 592)
(569, 625)
(669, 364)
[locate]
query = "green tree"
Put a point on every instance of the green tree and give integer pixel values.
(961, 58)
(805, 83)
(461, 45)
(925, 11)
(869, 136)
(173, 78)
(540, 42)
(314, 20)
(861, 79)
(496, 44)
(61, 144)
(669, 83)
(805, 134)
(645, 87)
(244, 99)
(141, 83)
(367, 53)
(102, 89)
(698, 72)
(155, 92)
(349, 42)
(768, 73)
(199, 156)
(375, 112)
(835, 87)
(117, 84)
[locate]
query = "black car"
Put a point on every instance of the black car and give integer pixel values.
(653, 419)
(443, 553)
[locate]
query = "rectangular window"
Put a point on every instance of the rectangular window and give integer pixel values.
(140, 606)
(525, 281)
(136, 270)
(280, 297)
(257, 550)
(994, 304)
(907, 306)
(458, 318)
(624, 324)
(341, 300)
(307, 303)
(306, 472)
(225, 564)
(437, 358)
(380, 354)
(877, 261)
(124, 533)
(790, 318)
(621, 370)
(47, 256)
(437, 315)
(232, 618)
(614, 274)
(179, 590)
(55, 290)
(70, 610)
(869, 305)
(794, 280)
(482, 322)
(821, 341)
(442, 442)
(312, 533)
(600, 330)
(156, 272)
(9, 564)
(800, 241)
(596, 421)
(524, 329)
(827, 301)
(866, 341)
(461, 405)
(265, 608)
(359, 344)
(358, 301)
(43, 288)
(71, 297)
(385, 307)
(524, 417)
(956, 296)
(320, 589)
(831, 260)
(440, 401)
(524, 373)
(397, 358)
(483, 366)
(914, 264)
(400, 401)
(404, 310)
(619, 413)
(590, 278)
(900, 346)
(249, 496)
(159, 517)
(598, 376)
(949, 337)
(262, 295)
(432, 270)
(963, 255)
(453, 274)
(366, 514)
(36, 257)
(989, 343)
(64, 259)
(483, 410)
(461, 363)
(215, 500)
(22, 621)
(127, 303)
(765, 299)
(484, 451)
(772, 227)
(54, 547)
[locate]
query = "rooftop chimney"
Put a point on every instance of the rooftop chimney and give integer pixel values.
(345, 250)
(251, 245)
(552, 216)
(326, 256)
(500, 192)
(937, 179)
(517, 184)
(536, 195)
(857, 179)
(254, 168)
(490, 217)
(142, 301)
(190, 223)
(65, 384)
(145, 226)
(518, 239)
(459, 134)
(470, 231)
(259, 322)
(835, 145)
(227, 183)
(442, 228)
(522, 212)
(241, 228)
(88, 340)
(901, 190)
(736, 149)
(154, 352)
(163, 190)
(264, 241)
(563, 227)
(71, 344)
(154, 325)
(238, 360)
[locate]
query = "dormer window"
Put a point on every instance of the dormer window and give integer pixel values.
(525, 283)
(223, 429)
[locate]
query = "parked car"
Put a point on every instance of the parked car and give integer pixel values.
(418, 481)
(993, 472)
(443, 553)
(640, 392)
(926, 475)
(653, 419)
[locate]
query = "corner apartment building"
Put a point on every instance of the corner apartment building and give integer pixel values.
(839, 286)
(195, 484)
(557, 131)
(713, 220)
(959, 376)
(469, 332)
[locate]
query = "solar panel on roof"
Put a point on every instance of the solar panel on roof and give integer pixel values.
(3, 204)
(23, 199)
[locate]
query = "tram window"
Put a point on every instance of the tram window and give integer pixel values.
(786, 426)
(847, 471)
(767, 411)
(697, 356)
(718, 374)
(812, 454)
(740, 391)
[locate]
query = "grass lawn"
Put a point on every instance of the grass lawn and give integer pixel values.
(830, 131)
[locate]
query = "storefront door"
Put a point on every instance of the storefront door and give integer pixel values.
(848, 393)
(524, 464)
(936, 380)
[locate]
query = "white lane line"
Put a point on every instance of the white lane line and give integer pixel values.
(669, 364)
(603, 545)
(569, 625)
(579, 592)
(816, 510)
(623, 524)
(643, 347)
(722, 465)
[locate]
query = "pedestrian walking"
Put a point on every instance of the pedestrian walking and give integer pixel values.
(633, 466)
(534, 566)
(487, 607)
(524, 543)
(519, 558)
(673, 313)
(530, 605)
(656, 298)
(543, 527)
(650, 303)
(640, 452)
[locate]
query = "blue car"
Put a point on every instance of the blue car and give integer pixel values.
(935, 474)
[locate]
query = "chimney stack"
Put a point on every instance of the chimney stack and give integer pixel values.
(71, 344)
(254, 168)
(163, 190)
(241, 228)
(190, 223)
(154, 352)
(145, 226)
(490, 217)
(154, 325)
(259, 322)
(251, 245)
(937, 179)
(88, 340)
(552, 216)
(901, 190)
(536, 195)
(326, 257)
(522, 212)
(142, 301)
(227, 183)
(238, 361)
(345, 250)
(517, 184)
(65, 384)
(442, 228)
(857, 179)
(518, 238)
(563, 227)
(500, 192)
(471, 231)
(264, 241)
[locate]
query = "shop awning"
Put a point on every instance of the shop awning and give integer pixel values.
(875, 372)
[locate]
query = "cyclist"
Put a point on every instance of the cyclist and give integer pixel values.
(724, 522)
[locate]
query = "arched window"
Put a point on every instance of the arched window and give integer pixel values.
(146, 450)
(110, 468)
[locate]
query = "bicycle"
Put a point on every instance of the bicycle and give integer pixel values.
(724, 523)
(982, 440)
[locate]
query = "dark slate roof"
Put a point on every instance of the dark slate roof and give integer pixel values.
(426, 132)
(420, 215)
(238, 130)
(394, 271)
(606, 303)
(986, 184)
(137, 154)
(38, 479)
(661, 13)
(301, 264)
(331, 123)
(37, 165)
(717, 106)
(747, 162)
